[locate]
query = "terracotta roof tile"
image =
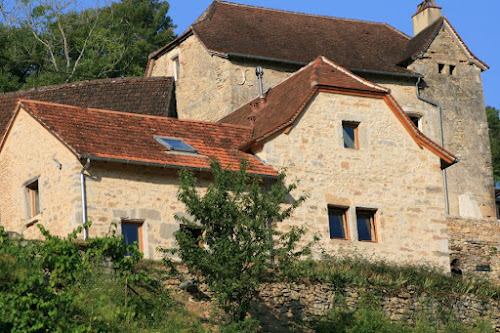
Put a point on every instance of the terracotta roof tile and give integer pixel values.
(135, 95)
(125, 136)
(284, 103)
(228, 28)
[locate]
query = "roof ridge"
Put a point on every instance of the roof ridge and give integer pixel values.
(85, 83)
(352, 75)
(28, 101)
(298, 13)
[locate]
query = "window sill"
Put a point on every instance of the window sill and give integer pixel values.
(339, 239)
(368, 241)
(33, 220)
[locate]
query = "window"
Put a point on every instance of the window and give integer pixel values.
(132, 233)
(196, 234)
(366, 225)
(176, 66)
(337, 219)
(33, 199)
(417, 120)
(453, 70)
(175, 144)
(441, 68)
(350, 133)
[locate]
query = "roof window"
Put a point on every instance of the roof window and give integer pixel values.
(175, 144)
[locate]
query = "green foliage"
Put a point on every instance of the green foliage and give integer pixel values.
(349, 271)
(494, 127)
(238, 214)
(59, 285)
(56, 41)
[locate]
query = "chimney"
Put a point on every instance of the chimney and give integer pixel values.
(427, 13)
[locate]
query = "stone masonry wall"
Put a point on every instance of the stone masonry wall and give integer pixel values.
(127, 192)
(460, 95)
(305, 302)
(30, 153)
(210, 87)
(476, 244)
(388, 173)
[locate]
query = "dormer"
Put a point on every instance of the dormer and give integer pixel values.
(427, 14)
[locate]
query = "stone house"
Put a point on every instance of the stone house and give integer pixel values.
(384, 131)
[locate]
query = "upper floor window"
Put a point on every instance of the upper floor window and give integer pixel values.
(176, 67)
(33, 199)
(416, 120)
(365, 219)
(350, 134)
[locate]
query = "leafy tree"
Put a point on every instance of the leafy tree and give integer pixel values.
(238, 215)
(494, 126)
(62, 43)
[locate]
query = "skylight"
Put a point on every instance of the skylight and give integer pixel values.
(175, 144)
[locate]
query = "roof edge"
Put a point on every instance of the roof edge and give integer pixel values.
(161, 165)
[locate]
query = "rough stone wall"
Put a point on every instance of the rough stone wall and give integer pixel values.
(389, 173)
(305, 302)
(477, 245)
(210, 87)
(465, 127)
(30, 151)
(405, 93)
(116, 192)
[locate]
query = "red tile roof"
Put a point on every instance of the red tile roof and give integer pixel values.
(284, 103)
(228, 29)
(129, 137)
(135, 95)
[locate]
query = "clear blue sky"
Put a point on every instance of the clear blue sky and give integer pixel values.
(476, 21)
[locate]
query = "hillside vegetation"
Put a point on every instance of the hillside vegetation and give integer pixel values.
(58, 285)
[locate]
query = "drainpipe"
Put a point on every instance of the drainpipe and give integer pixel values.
(84, 197)
(441, 136)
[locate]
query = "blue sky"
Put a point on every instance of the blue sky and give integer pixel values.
(476, 21)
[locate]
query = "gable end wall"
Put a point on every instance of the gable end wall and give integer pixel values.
(30, 151)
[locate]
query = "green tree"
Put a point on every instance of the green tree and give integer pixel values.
(494, 127)
(238, 215)
(62, 43)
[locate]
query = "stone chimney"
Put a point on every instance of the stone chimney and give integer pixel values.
(427, 13)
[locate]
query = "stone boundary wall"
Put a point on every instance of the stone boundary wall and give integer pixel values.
(304, 302)
(476, 244)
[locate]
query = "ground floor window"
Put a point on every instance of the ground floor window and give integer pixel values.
(365, 219)
(337, 220)
(132, 233)
(196, 234)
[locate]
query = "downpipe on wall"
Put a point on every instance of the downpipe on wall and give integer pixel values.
(441, 136)
(84, 197)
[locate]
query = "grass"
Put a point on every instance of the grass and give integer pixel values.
(344, 272)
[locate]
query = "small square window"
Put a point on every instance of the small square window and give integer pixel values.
(350, 134)
(442, 68)
(416, 120)
(132, 233)
(33, 199)
(366, 225)
(453, 70)
(175, 144)
(337, 219)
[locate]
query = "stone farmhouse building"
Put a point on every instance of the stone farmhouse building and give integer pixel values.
(385, 132)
